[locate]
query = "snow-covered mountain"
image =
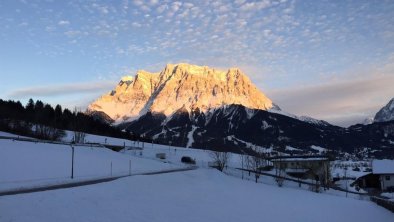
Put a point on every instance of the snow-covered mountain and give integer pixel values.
(386, 113)
(180, 86)
(366, 121)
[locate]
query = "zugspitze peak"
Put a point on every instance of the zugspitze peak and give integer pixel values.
(180, 86)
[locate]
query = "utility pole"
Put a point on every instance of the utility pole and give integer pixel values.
(72, 162)
(129, 167)
(242, 170)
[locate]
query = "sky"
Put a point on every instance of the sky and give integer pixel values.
(331, 60)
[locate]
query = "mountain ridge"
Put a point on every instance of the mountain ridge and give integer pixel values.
(386, 113)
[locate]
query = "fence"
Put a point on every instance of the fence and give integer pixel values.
(389, 205)
(116, 148)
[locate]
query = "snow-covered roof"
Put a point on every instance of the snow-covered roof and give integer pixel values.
(298, 158)
(383, 166)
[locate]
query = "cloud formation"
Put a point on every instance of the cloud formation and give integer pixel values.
(62, 90)
(343, 103)
(281, 44)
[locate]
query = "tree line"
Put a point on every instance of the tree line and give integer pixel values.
(41, 120)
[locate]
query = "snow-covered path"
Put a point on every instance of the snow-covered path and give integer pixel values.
(199, 195)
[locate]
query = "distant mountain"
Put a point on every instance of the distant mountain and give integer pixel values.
(367, 121)
(201, 107)
(386, 113)
(237, 128)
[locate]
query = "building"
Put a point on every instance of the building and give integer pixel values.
(385, 170)
(381, 178)
(305, 167)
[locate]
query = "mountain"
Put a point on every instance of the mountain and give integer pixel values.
(367, 121)
(176, 87)
(240, 129)
(386, 113)
(201, 107)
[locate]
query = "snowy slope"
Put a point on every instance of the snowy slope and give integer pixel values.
(200, 195)
(26, 164)
(90, 138)
(302, 118)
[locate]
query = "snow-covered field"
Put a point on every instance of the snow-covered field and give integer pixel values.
(200, 195)
(89, 138)
(27, 164)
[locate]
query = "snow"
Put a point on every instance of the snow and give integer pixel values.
(285, 159)
(200, 195)
(190, 136)
(383, 166)
(265, 125)
(318, 148)
(289, 148)
(338, 168)
(5, 134)
(127, 78)
(89, 138)
(306, 119)
(347, 185)
(29, 164)
(388, 195)
(249, 113)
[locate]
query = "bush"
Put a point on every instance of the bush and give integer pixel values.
(188, 160)
(368, 170)
(356, 169)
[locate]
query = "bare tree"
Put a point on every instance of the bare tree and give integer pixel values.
(79, 137)
(220, 158)
(256, 161)
(243, 157)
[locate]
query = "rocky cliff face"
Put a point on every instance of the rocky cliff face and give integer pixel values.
(386, 113)
(179, 86)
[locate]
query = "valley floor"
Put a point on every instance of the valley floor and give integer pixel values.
(199, 195)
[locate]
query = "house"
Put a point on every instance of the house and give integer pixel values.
(385, 170)
(381, 178)
(306, 167)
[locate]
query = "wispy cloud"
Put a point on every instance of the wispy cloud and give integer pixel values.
(62, 90)
(63, 22)
(279, 43)
(343, 103)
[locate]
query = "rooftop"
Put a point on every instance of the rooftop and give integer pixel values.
(383, 166)
(298, 158)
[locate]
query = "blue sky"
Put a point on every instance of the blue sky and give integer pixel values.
(332, 60)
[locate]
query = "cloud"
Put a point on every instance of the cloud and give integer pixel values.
(63, 22)
(255, 5)
(62, 89)
(343, 103)
(72, 33)
(161, 8)
(102, 9)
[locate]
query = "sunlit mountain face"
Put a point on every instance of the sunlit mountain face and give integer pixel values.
(186, 86)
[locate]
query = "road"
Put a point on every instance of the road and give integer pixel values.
(89, 182)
